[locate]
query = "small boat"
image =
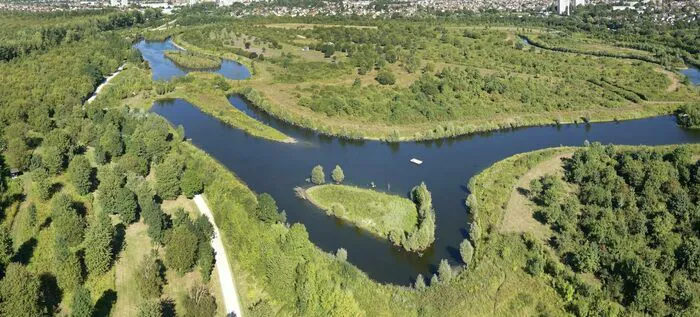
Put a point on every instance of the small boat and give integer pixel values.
(416, 161)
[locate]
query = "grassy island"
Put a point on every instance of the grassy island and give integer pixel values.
(410, 224)
(193, 60)
(374, 211)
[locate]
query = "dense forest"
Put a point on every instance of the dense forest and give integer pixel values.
(630, 219)
(80, 189)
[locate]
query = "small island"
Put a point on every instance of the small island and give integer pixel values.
(193, 61)
(688, 116)
(409, 223)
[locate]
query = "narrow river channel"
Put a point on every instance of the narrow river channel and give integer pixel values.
(276, 168)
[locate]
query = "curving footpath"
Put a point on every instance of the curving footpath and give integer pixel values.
(228, 287)
(105, 82)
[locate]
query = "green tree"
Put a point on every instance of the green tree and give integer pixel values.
(154, 218)
(181, 249)
(341, 254)
(149, 279)
(474, 232)
(386, 77)
(167, 176)
(39, 119)
(42, 183)
(82, 303)
(150, 308)
(17, 152)
(199, 303)
(60, 140)
(317, 175)
(337, 174)
(111, 141)
(191, 183)
(466, 250)
(6, 250)
(420, 283)
(66, 265)
(66, 220)
(434, 280)
(81, 174)
(133, 163)
(20, 290)
(54, 160)
(205, 260)
(127, 205)
(445, 271)
(98, 245)
(266, 210)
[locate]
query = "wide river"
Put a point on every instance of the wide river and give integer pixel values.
(276, 168)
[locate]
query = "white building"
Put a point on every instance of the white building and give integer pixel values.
(579, 3)
(119, 3)
(563, 6)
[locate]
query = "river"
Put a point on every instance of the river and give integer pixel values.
(164, 69)
(276, 168)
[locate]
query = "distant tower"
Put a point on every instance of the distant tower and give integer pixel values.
(563, 6)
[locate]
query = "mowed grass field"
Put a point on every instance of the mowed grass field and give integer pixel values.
(376, 212)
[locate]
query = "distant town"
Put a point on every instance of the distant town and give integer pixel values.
(363, 7)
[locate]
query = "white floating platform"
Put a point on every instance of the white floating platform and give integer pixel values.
(416, 161)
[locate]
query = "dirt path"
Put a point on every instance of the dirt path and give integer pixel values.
(164, 26)
(228, 287)
(104, 84)
(518, 214)
(675, 82)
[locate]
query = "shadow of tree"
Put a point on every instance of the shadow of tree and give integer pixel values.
(51, 294)
(104, 305)
(168, 306)
(25, 252)
(119, 240)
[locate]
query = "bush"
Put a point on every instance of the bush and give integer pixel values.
(199, 303)
(386, 77)
(181, 249)
(317, 175)
(466, 250)
(337, 175)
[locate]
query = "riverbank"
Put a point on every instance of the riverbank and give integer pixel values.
(305, 118)
(202, 93)
(375, 212)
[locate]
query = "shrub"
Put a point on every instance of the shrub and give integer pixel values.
(386, 77)
(317, 175)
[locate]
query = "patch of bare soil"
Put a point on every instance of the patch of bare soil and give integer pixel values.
(519, 209)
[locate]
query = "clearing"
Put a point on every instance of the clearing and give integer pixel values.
(519, 208)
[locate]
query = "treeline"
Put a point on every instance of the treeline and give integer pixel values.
(660, 58)
(423, 234)
(631, 222)
(24, 40)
